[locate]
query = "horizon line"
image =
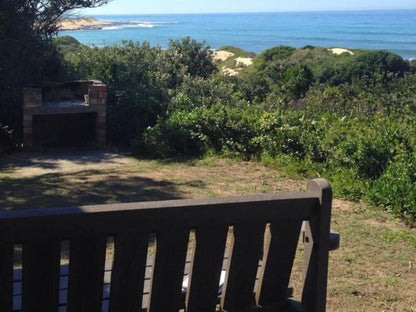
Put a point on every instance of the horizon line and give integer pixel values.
(252, 12)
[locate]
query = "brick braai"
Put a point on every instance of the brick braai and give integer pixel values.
(57, 111)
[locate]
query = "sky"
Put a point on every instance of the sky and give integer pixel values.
(237, 6)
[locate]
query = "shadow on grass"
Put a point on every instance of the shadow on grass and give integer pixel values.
(49, 160)
(82, 188)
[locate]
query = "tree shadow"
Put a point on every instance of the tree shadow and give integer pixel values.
(50, 159)
(78, 189)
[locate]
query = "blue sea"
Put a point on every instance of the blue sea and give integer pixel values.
(388, 30)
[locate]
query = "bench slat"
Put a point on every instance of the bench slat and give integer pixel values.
(168, 268)
(278, 262)
(41, 263)
(206, 267)
(128, 273)
(86, 274)
(246, 249)
(6, 276)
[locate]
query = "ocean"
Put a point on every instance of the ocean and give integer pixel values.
(393, 30)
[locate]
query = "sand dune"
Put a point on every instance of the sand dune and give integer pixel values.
(225, 55)
(340, 51)
(246, 61)
(222, 55)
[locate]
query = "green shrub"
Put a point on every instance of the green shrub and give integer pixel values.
(67, 44)
(197, 92)
(168, 138)
(280, 134)
(396, 188)
(223, 129)
(296, 81)
(346, 182)
(141, 80)
(273, 54)
(379, 61)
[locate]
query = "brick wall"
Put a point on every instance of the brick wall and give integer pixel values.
(94, 101)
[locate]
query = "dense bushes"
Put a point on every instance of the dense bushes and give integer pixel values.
(396, 188)
(349, 118)
(140, 79)
(134, 94)
(218, 128)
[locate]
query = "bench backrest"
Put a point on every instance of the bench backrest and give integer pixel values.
(87, 228)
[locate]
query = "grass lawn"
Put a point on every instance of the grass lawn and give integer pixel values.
(373, 270)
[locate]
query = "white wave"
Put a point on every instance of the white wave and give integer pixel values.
(129, 25)
(154, 23)
(144, 24)
(135, 24)
(111, 27)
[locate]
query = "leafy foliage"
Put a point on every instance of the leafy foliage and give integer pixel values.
(142, 79)
(396, 188)
(339, 115)
(349, 118)
(67, 44)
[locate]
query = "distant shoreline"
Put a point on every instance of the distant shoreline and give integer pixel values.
(81, 23)
(91, 23)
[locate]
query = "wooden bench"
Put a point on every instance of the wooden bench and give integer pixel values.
(247, 287)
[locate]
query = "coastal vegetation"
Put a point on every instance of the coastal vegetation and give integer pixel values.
(348, 117)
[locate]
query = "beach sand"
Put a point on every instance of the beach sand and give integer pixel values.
(222, 55)
(340, 51)
(225, 55)
(81, 22)
(246, 61)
